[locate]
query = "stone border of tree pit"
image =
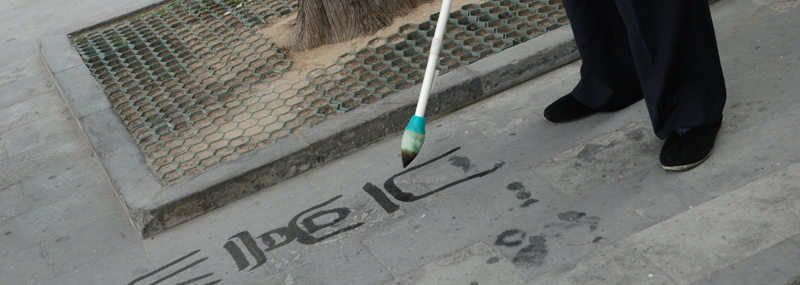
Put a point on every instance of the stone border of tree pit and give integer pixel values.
(153, 207)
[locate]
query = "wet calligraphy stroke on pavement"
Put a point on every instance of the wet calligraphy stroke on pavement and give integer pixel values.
(535, 252)
(287, 234)
(176, 272)
(303, 231)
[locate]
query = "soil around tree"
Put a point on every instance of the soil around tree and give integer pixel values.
(280, 33)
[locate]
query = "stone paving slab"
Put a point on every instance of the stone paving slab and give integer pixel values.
(104, 271)
(77, 90)
(350, 264)
(602, 160)
(27, 111)
(776, 265)
(57, 218)
(519, 105)
(70, 250)
(12, 202)
(38, 134)
(26, 266)
(795, 240)
(23, 48)
(3, 154)
(58, 59)
(29, 164)
(725, 230)
(153, 208)
(476, 264)
(26, 84)
(612, 265)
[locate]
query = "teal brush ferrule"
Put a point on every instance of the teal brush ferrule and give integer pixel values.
(416, 124)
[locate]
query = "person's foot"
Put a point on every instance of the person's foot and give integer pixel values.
(566, 109)
(683, 151)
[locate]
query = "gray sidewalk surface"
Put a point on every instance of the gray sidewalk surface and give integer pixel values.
(154, 205)
(497, 195)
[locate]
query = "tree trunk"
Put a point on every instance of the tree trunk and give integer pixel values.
(321, 22)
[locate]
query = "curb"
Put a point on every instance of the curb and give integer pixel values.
(153, 207)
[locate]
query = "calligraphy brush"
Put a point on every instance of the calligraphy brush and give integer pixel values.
(414, 136)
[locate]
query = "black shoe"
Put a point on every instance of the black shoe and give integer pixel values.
(566, 109)
(687, 150)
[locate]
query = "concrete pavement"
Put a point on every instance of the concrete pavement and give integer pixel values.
(499, 196)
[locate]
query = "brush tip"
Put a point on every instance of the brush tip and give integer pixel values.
(407, 157)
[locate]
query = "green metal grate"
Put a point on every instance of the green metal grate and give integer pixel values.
(197, 85)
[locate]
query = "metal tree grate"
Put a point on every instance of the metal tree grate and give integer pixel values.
(197, 85)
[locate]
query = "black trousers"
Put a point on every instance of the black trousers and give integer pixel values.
(664, 51)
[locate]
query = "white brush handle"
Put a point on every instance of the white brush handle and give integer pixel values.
(433, 58)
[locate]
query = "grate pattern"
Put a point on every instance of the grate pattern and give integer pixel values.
(398, 61)
(197, 85)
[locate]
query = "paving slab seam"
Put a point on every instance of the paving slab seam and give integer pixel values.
(746, 215)
(661, 269)
(158, 209)
(361, 241)
(78, 122)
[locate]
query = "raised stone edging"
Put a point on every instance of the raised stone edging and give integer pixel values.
(153, 207)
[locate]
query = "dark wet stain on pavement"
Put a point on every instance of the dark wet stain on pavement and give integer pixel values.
(528, 203)
(506, 238)
(589, 151)
(460, 161)
(522, 195)
(571, 216)
(534, 254)
(515, 186)
(635, 134)
(575, 219)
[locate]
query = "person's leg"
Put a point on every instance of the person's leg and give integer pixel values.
(677, 61)
(609, 80)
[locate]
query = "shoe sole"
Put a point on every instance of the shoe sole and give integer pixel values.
(570, 121)
(687, 166)
(692, 165)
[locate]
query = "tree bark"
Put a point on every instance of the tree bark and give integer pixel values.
(321, 22)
